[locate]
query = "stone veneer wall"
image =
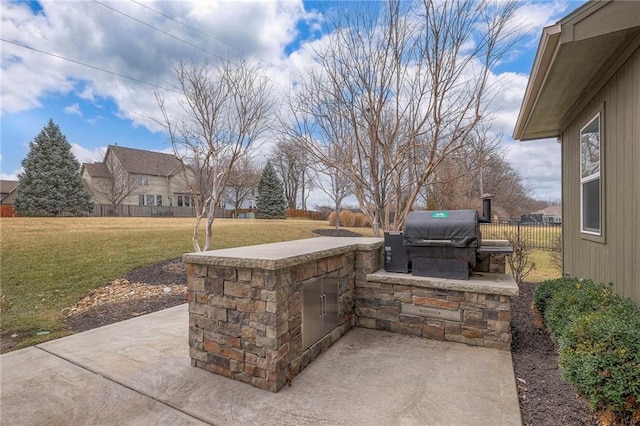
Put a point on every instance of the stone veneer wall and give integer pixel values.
(484, 308)
(245, 315)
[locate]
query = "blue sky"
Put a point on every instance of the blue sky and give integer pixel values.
(95, 108)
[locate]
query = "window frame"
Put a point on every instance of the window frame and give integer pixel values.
(587, 233)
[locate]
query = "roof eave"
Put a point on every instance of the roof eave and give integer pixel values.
(547, 49)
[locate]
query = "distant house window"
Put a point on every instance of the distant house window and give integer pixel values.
(590, 189)
(158, 200)
(179, 200)
(150, 199)
(141, 200)
(142, 180)
(170, 201)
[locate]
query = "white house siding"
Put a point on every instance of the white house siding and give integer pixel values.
(91, 183)
(617, 258)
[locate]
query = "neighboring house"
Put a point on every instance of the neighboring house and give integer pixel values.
(584, 89)
(8, 193)
(248, 202)
(144, 178)
(551, 214)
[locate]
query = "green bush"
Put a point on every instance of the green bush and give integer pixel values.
(571, 301)
(545, 290)
(599, 343)
(600, 357)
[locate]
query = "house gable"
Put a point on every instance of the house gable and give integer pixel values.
(8, 191)
(161, 175)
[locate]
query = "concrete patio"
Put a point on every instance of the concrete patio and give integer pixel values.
(138, 372)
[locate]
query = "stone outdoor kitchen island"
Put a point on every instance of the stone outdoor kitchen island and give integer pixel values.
(260, 314)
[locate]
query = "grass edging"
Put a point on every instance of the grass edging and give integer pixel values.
(598, 334)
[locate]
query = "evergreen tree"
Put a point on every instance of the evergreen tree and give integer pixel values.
(270, 203)
(51, 184)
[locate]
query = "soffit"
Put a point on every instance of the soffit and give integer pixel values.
(573, 61)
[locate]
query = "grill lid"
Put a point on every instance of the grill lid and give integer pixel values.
(453, 228)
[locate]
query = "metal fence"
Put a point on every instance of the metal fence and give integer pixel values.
(541, 236)
(102, 210)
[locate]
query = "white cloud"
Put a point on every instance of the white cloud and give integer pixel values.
(73, 109)
(98, 36)
(11, 176)
(85, 155)
(539, 163)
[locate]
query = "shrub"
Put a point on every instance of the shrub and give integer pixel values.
(570, 301)
(556, 252)
(361, 221)
(347, 218)
(519, 261)
(599, 344)
(600, 357)
(332, 218)
(545, 290)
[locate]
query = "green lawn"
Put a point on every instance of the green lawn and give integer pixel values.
(48, 264)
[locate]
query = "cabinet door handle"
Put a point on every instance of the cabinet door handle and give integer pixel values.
(324, 304)
(321, 305)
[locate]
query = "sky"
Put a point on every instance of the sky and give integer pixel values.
(91, 66)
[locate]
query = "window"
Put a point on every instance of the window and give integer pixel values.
(590, 189)
(150, 199)
(170, 201)
(141, 200)
(158, 200)
(142, 180)
(185, 201)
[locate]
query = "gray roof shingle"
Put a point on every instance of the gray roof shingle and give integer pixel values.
(142, 162)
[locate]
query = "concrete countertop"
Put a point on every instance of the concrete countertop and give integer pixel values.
(479, 282)
(284, 254)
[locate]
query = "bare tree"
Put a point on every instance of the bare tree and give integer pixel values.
(118, 185)
(243, 181)
(335, 184)
(293, 165)
(225, 110)
(285, 160)
(399, 87)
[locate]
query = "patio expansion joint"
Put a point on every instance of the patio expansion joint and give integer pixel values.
(112, 380)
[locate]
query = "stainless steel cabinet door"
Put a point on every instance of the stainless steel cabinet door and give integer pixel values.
(312, 311)
(330, 291)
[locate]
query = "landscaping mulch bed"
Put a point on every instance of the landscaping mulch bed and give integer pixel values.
(336, 233)
(544, 398)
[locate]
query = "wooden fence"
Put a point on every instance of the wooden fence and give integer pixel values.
(7, 210)
(292, 213)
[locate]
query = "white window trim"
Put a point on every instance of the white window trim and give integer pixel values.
(592, 177)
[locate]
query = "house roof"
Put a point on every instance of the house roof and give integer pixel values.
(551, 210)
(8, 191)
(7, 186)
(142, 162)
(575, 58)
(97, 170)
